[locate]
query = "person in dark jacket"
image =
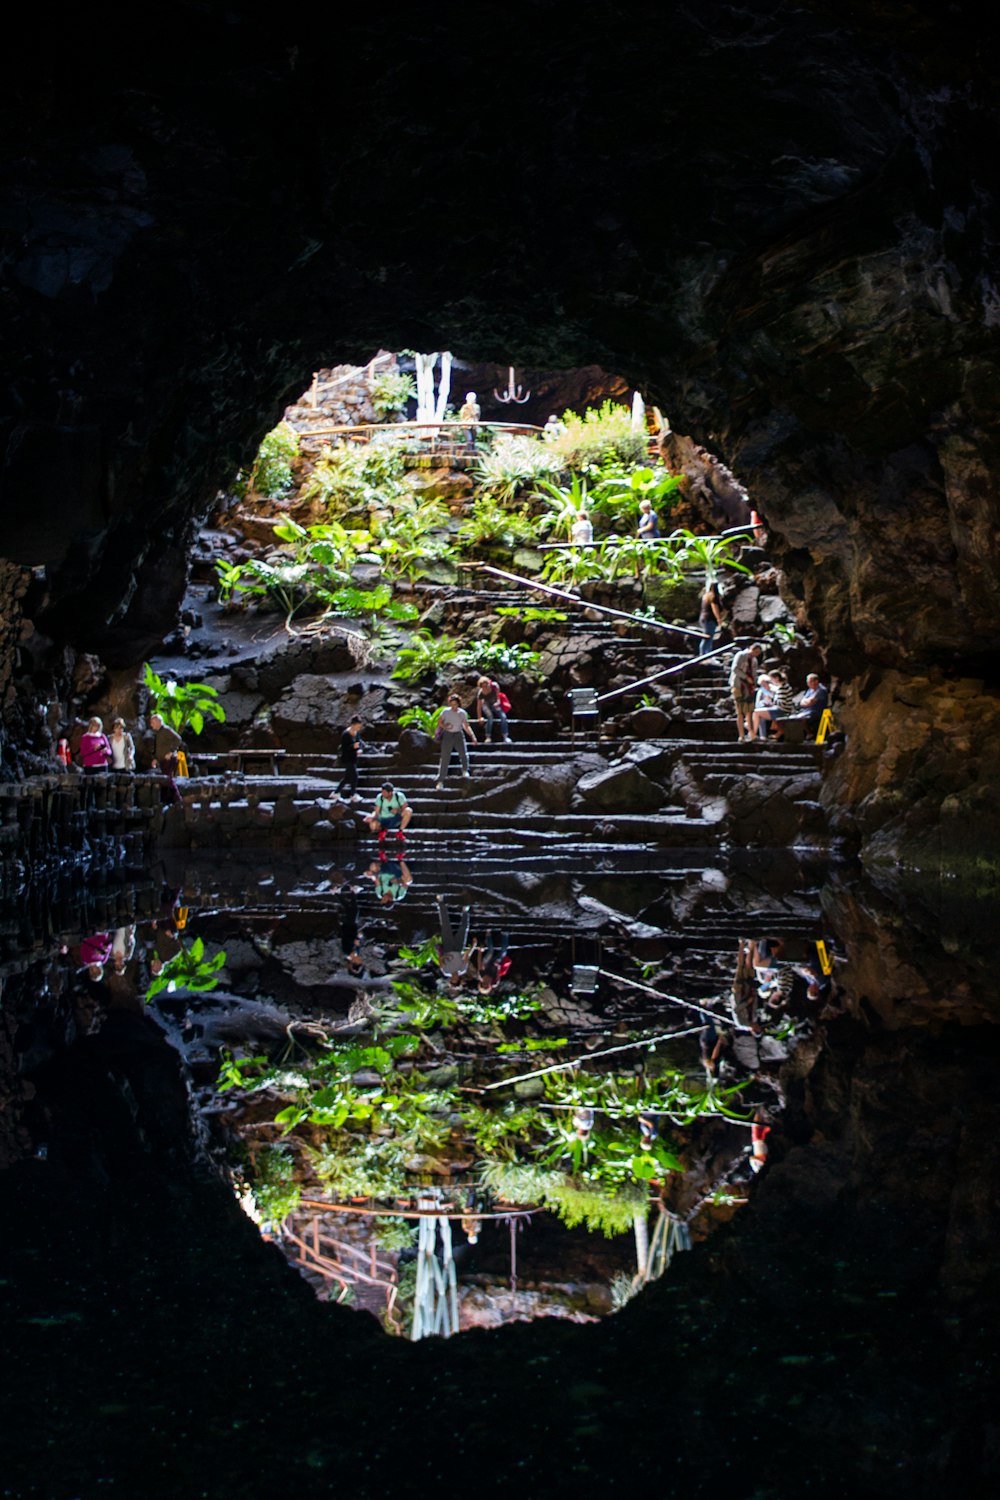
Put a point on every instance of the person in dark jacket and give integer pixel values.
(350, 749)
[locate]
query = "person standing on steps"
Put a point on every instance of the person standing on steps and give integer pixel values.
(391, 813)
(709, 617)
(492, 704)
(350, 748)
(743, 686)
(453, 730)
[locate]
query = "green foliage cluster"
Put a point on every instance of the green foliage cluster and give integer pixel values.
(672, 557)
(602, 433)
(396, 1233)
(182, 705)
(575, 1201)
(352, 478)
(514, 463)
(422, 718)
(390, 391)
(188, 970)
(491, 522)
(271, 474)
(272, 1182)
(529, 613)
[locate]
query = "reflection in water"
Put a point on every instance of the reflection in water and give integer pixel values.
(516, 1097)
(519, 1093)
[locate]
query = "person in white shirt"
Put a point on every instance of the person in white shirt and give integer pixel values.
(453, 729)
(582, 530)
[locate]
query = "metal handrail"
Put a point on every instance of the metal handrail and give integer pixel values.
(681, 666)
(358, 429)
(604, 609)
(652, 541)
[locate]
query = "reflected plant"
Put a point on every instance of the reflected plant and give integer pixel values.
(272, 1182)
(189, 970)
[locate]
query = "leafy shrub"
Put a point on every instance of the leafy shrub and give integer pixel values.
(189, 969)
(396, 1234)
(182, 705)
(354, 477)
(423, 718)
(575, 1201)
(271, 474)
(425, 654)
(273, 1184)
(490, 521)
(390, 392)
(601, 433)
(498, 656)
(514, 463)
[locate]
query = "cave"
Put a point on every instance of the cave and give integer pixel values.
(778, 224)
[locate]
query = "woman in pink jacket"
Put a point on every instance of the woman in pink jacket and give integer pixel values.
(95, 752)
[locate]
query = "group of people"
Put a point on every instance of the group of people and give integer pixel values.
(462, 962)
(159, 748)
(764, 700)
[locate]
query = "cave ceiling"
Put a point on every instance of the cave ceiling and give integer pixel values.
(777, 222)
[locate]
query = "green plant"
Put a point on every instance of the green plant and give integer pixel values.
(272, 1182)
(424, 718)
(512, 464)
(576, 565)
(709, 552)
(618, 488)
(575, 1201)
(424, 656)
(229, 577)
(395, 1233)
(565, 504)
(528, 612)
(783, 633)
(601, 433)
(355, 478)
(411, 536)
(390, 391)
(189, 969)
(271, 474)
(182, 705)
(497, 656)
(490, 521)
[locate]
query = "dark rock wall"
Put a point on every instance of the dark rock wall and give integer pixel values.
(778, 223)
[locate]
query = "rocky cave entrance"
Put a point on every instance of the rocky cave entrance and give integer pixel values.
(638, 977)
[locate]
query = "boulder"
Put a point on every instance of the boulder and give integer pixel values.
(618, 788)
(309, 716)
(291, 659)
(414, 747)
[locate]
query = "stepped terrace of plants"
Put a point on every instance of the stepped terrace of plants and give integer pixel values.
(344, 535)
